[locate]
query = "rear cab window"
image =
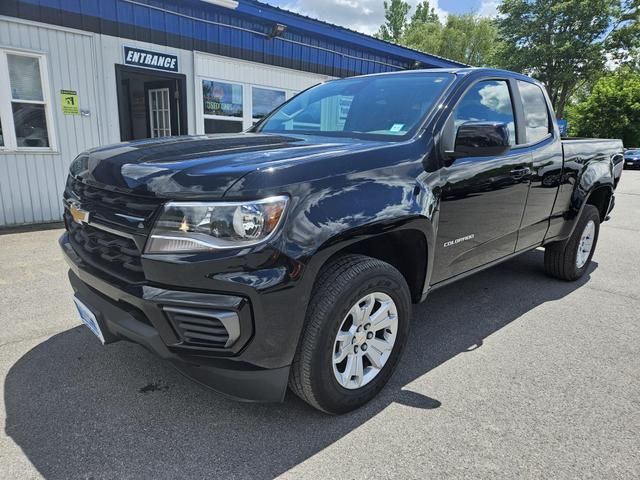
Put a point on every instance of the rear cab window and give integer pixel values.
(537, 121)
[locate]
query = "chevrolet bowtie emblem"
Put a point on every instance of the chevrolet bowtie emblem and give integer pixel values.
(79, 215)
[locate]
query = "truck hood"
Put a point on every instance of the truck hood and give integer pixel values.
(200, 166)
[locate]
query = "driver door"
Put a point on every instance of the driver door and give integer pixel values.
(483, 197)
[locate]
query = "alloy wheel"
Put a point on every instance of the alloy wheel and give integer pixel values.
(585, 244)
(365, 340)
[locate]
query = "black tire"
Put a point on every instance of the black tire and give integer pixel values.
(560, 257)
(338, 287)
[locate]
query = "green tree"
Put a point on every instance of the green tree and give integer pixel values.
(424, 31)
(465, 38)
(469, 39)
(624, 40)
(563, 43)
(425, 14)
(611, 110)
(395, 14)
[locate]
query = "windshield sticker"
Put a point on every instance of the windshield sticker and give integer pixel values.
(396, 127)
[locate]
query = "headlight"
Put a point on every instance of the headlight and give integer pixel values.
(203, 226)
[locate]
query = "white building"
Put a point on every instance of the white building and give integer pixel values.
(90, 73)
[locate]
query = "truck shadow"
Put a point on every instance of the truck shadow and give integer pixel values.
(78, 410)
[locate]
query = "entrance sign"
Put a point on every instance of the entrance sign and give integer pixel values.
(149, 59)
(69, 102)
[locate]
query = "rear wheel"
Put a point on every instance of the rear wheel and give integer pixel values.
(569, 260)
(356, 327)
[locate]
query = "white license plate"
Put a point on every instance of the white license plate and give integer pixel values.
(629, 163)
(88, 318)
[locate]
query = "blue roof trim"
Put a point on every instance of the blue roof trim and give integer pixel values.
(307, 44)
(291, 19)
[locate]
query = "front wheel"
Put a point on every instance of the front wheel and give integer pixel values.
(355, 330)
(569, 260)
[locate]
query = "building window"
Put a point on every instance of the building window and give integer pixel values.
(25, 110)
(229, 106)
(264, 100)
(222, 106)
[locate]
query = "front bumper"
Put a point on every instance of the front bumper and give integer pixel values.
(631, 163)
(138, 313)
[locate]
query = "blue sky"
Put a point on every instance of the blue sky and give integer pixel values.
(367, 15)
(456, 6)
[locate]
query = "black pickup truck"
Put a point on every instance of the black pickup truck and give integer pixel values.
(290, 255)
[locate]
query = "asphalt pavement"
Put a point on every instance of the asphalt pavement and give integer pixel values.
(507, 374)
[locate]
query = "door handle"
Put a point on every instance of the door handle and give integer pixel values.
(520, 172)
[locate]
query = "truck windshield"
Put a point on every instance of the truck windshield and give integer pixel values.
(383, 105)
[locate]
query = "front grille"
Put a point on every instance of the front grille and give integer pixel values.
(130, 205)
(119, 256)
(118, 224)
(204, 328)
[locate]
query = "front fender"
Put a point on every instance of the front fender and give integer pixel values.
(326, 223)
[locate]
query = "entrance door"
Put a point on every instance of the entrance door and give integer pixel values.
(159, 112)
(151, 104)
(162, 108)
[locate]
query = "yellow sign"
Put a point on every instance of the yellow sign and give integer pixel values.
(69, 101)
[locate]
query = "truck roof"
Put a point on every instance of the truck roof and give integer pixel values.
(460, 71)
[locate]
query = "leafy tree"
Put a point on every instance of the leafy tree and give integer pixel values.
(424, 31)
(395, 14)
(466, 38)
(611, 110)
(424, 14)
(624, 40)
(469, 39)
(563, 43)
(426, 37)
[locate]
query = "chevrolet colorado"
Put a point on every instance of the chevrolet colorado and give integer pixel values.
(290, 255)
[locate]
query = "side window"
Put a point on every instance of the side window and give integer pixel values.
(536, 115)
(25, 109)
(222, 106)
(489, 101)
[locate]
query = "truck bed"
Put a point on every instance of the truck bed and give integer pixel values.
(581, 149)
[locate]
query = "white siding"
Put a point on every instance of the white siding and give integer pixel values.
(31, 183)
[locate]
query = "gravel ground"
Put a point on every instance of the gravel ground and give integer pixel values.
(507, 374)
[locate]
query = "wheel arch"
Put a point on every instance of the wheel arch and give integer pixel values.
(600, 197)
(406, 246)
(594, 186)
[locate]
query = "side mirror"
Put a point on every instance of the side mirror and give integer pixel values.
(481, 139)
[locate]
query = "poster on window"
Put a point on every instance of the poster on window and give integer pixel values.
(222, 98)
